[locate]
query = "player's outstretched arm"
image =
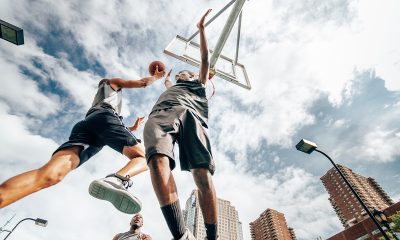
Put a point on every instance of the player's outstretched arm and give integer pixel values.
(205, 63)
(142, 83)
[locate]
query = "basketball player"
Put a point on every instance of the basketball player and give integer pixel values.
(181, 114)
(102, 126)
(135, 232)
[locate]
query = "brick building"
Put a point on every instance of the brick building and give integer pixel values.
(271, 225)
(345, 204)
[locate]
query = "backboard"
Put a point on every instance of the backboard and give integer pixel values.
(225, 67)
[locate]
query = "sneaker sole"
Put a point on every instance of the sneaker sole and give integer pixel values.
(119, 198)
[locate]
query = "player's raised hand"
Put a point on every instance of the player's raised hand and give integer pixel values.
(200, 24)
(168, 77)
(167, 81)
(158, 74)
(137, 124)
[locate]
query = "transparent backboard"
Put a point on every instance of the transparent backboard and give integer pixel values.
(225, 68)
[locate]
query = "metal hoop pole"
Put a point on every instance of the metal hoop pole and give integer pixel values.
(236, 10)
(238, 38)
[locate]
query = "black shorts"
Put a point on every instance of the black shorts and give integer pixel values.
(165, 127)
(102, 126)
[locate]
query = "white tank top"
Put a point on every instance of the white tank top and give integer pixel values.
(130, 236)
(106, 94)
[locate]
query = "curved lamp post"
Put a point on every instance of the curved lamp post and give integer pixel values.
(38, 221)
(381, 217)
(308, 147)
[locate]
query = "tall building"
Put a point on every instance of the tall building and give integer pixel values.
(229, 227)
(240, 232)
(271, 225)
(345, 204)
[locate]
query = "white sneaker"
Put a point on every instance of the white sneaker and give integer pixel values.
(187, 236)
(113, 188)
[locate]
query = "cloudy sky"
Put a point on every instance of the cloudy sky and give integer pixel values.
(327, 71)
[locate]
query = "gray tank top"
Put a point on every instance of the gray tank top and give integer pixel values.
(188, 94)
(107, 95)
(129, 236)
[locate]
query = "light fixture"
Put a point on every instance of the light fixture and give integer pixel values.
(11, 33)
(41, 222)
(306, 146)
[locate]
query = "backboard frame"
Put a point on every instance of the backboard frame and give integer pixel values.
(229, 76)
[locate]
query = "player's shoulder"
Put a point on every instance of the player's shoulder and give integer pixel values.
(104, 81)
(146, 237)
(117, 236)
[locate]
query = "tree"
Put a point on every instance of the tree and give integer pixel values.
(395, 218)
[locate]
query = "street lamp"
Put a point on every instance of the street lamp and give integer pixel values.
(381, 217)
(11, 33)
(38, 221)
(308, 147)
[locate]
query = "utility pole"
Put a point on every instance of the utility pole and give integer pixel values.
(2, 229)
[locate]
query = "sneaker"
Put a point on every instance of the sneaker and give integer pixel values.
(187, 236)
(113, 188)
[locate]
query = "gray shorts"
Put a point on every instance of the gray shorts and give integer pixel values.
(178, 124)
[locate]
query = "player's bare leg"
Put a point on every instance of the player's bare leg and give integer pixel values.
(165, 189)
(163, 180)
(22, 185)
(207, 200)
(137, 163)
(114, 187)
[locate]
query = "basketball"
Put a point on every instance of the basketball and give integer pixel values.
(153, 65)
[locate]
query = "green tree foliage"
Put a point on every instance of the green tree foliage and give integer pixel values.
(395, 218)
(389, 235)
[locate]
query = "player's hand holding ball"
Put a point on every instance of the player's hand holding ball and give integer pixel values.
(157, 69)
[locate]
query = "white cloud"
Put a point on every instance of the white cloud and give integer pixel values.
(340, 123)
(23, 94)
(19, 147)
(381, 145)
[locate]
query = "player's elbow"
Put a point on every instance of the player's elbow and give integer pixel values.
(142, 84)
(205, 61)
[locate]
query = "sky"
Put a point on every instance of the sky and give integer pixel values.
(327, 71)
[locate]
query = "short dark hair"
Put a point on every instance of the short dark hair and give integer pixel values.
(190, 72)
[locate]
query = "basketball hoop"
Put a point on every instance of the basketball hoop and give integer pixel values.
(221, 66)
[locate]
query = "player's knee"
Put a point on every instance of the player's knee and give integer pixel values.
(159, 163)
(203, 179)
(135, 151)
(204, 185)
